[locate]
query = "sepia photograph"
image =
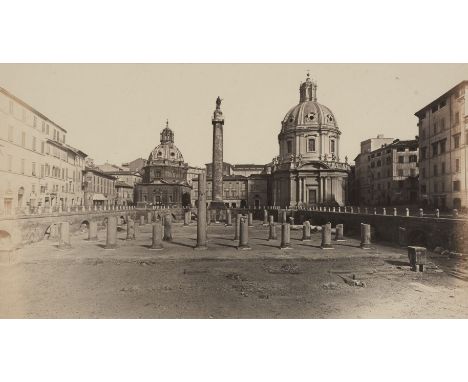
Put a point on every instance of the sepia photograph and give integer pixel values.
(234, 191)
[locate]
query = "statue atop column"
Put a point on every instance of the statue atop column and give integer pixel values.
(217, 166)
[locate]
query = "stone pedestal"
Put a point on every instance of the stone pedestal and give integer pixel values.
(272, 232)
(156, 243)
(167, 228)
(92, 231)
(339, 233)
(285, 236)
(306, 231)
(228, 218)
(142, 220)
(130, 229)
(265, 217)
(244, 234)
(402, 236)
(365, 236)
(111, 239)
(326, 237)
(417, 258)
(237, 227)
(64, 236)
(250, 219)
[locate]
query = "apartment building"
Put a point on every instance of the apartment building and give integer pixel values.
(443, 142)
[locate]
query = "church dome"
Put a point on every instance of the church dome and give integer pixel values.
(309, 113)
(166, 150)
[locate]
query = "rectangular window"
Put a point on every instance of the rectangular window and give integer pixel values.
(457, 165)
(401, 159)
(442, 146)
(289, 147)
(435, 170)
(332, 147)
(42, 147)
(23, 139)
(10, 133)
(47, 129)
(34, 121)
(456, 141)
(442, 168)
(456, 118)
(22, 166)
(10, 163)
(434, 149)
(43, 126)
(456, 185)
(33, 169)
(311, 145)
(34, 141)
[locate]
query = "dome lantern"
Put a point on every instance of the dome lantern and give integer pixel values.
(308, 90)
(167, 135)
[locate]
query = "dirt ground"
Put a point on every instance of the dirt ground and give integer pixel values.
(87, 281)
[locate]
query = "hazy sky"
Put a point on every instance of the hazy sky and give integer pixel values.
(115, 112)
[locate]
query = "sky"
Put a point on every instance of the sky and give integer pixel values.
(115, 112)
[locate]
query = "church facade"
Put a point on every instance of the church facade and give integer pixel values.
(164, 175)
(308, 170)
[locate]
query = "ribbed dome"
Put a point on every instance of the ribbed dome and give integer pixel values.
(166, 150)
(308, 113)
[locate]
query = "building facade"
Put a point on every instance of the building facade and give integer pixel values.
(443, 143)
(38, 169)
(387, 174)
(164, 175)
(308, 170)
(99, 187)
(126, 180)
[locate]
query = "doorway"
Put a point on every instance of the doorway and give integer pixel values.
(312, 196)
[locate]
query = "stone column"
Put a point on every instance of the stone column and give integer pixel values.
(228, 218)
(272, 233)
(306, 231)
(402, 236)
(92, 231)
(201, 220)
(265, 217)
(339, 233)
(300, 190)
(130, 229)
(236, 231)
(167, 228)
(111, 240)
(186, 218)
(284, 215)
(250, 221)
(271, 219)
(156, 244)
(365, 236)
(326, 236)
(64, 235)
(142, 219)
(208, 217)
(285, 236)
(244, 234)
(217, 164)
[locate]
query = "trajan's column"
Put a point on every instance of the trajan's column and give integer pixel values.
(217, 175)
